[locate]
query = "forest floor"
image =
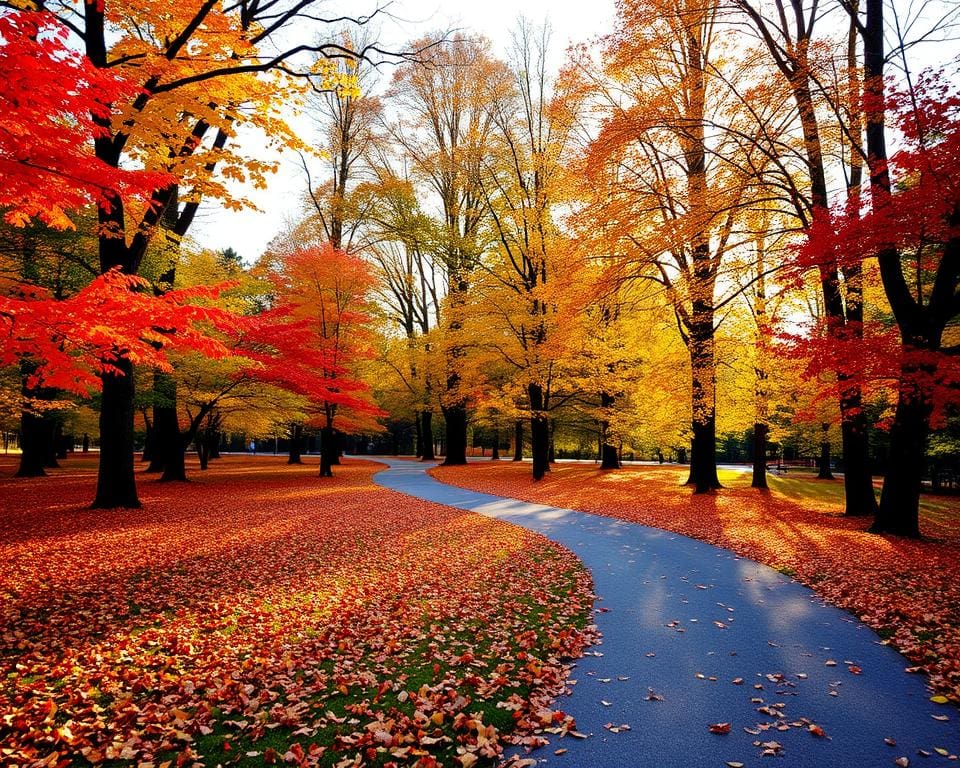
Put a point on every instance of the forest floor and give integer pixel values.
(908, 591)
(259, 614)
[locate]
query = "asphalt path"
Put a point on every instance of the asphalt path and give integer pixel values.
(694, 636)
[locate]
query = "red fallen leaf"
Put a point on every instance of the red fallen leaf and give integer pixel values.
(737, 681)
(817, 731)
(854, 669)
(719, 728)
(903, 762)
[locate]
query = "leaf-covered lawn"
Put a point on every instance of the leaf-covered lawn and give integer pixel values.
(262, 615)
(909, 591)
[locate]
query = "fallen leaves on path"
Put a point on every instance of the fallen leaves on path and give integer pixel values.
(909, 591)
(262, 614)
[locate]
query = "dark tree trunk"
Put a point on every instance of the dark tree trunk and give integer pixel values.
(329, 447)
(539, 432)
(825, 473)
(203, 450)
(703, 447)
(32, 439)
(426, 435)
(86, 443)
(551, 445)
(608, 452)
(169, 446)
(148, 453)
(609, 458)
(417, 435)
(857, 478)
(296, 439)
(899, 510)
(52, 435)
(759, 456)
(214, 443)
(703, 456)
(116, 483)
(495, 453)
(518, 440)
(455, 418)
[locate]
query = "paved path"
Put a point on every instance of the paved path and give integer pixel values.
(682, 620)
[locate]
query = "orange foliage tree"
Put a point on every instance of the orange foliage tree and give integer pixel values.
(326, 294)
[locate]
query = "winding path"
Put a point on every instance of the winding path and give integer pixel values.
(683, 620)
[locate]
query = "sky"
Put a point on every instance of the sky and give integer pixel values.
(248, 231)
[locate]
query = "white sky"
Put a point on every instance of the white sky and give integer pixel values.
(248, 232)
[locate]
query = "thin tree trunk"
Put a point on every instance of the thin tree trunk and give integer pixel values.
(759, 456)
(539, 432)
(418, 435)
(495, 453)
(825, 459)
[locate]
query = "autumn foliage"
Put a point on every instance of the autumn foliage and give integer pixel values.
(46, 130)
(255, 613)
(77, 340)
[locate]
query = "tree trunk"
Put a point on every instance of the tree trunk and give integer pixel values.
(825, 460)
(329, 446)
(116, 482)
(899, 510)
(551, 446)
(427, 436)
(203, 450)
(759, 456)
(857, 478)
(418, 435)
(32, 439)
(539, 432)
(214, 442)
(296, 437)
(608, 451)
(495, 453)
(703, 449)
(518, 440)
(169, 446)
(455, 418)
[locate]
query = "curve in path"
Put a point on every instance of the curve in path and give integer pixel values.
(683, 620)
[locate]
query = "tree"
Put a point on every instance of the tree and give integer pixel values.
(913, 230)
(790, 43)
(326, 293)
(179, 112)
(446, 139)
(663, 184)
(520, 183)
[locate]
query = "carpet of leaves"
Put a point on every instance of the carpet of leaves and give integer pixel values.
(908, 591)
(261, 615)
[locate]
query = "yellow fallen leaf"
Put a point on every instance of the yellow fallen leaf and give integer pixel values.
(939, 699)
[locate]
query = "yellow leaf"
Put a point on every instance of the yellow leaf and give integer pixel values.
(938, 699)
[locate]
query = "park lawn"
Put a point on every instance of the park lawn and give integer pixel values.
(260, 615)
(908, 591)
